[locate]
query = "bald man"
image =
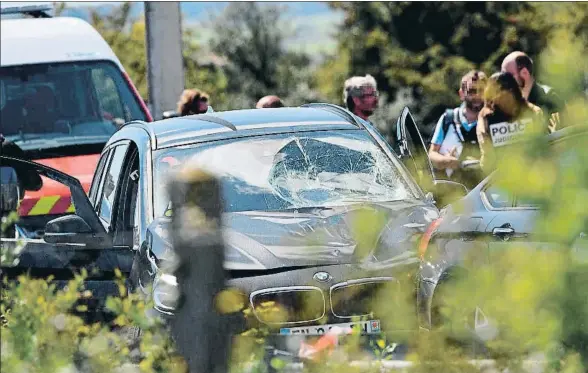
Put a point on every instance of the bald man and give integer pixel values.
(269, 102)
(519, 65)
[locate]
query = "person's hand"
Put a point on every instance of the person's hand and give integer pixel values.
(486, 111)
(452, 161)
(554, 122)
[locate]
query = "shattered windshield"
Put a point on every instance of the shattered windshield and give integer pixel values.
(289, 171)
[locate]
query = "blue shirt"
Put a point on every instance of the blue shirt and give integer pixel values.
(439, 134)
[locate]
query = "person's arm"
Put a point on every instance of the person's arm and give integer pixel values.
(441, 161)
(487, 155)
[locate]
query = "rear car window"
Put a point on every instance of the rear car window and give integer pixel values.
(81, 101)
(498, 197)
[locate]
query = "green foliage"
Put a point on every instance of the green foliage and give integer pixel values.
(251, 38)
(126, 36)
(247, 58)
(41, 334)
(535, 296)
(428, 46)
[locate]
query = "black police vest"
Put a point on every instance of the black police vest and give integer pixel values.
(505, 131)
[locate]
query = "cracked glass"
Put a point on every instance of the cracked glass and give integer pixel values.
(289, 171)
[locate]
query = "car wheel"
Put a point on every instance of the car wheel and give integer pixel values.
(132, 333)
(133, 279)
(468, 332)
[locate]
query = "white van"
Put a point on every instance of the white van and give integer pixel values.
(63, 93)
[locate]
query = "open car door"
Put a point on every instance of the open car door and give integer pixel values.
(83, 227)
(70, 243)
(412, 150)
(413, 153)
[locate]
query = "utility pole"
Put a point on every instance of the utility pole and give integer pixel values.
(164, 55)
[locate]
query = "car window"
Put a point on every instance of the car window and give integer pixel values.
(525, 202)
(498, 197)
(126, 192)
(97, 177)
(289, 171)
(110, 183)
(77, 102)
(135, 222)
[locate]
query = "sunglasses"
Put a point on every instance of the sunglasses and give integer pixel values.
(372, 94)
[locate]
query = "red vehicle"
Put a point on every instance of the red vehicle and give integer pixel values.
(63, 93)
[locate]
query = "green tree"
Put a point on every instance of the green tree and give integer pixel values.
(251, 38)
(126, 36)
(207, 76)
(429, 46)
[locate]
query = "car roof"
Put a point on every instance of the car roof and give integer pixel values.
(192, 129)
(26, 41)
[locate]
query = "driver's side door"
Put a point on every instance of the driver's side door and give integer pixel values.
(71, 243)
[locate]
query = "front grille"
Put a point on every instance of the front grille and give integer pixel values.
(355, 297)
(288, 305)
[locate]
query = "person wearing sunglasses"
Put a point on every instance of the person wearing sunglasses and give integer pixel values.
(454, 140)
(360, 95)
(520, 66)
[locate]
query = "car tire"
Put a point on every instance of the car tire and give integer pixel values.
(133, 279)
(467, 342)
(132, 333)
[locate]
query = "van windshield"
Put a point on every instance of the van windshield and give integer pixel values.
(59, 104)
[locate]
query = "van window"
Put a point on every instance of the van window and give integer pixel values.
(108, 96)
(68, 103)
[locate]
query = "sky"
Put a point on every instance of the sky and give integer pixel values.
(314, 22)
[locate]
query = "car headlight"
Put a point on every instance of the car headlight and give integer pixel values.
(397, 242)
(166, 294)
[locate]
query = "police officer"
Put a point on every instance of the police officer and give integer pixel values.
(520, 66)
(506, 116)
(454, 139)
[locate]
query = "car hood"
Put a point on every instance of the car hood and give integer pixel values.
(259, 240)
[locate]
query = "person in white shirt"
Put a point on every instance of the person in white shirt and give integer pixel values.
(454, 139)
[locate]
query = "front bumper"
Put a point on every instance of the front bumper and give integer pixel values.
(338, 277)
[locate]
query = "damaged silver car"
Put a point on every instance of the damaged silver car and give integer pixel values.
(295, 184)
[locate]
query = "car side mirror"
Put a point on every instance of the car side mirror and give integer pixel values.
(72, 229)
(9, 190)
(446, 191)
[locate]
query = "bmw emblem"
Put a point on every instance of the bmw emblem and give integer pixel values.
(322, 277)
